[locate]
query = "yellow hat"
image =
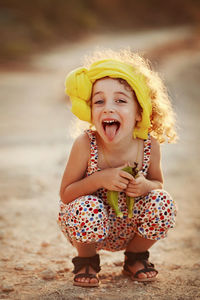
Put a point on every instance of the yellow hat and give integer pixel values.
(79, 88)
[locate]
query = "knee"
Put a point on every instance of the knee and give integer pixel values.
(163, 203)
(87, 220)
(88, 205)
(159, 215)
(81, 207)
(88, 208)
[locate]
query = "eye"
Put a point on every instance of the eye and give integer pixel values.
(100, 101)
(121, 101)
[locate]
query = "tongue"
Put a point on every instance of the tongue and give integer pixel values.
(111, 131)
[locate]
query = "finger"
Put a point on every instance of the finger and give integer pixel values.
(131, 194)
(126, 175)
(117, 189)
(133, 191)
(124, 180)
(121, 185)
(133, 180)
(132, 185)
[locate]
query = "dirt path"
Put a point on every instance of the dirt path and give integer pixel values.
(35, 142)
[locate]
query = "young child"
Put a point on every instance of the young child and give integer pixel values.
(127, 104)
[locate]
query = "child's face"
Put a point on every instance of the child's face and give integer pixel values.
(114, 110)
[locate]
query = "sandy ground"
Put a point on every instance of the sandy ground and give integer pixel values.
(35, 129)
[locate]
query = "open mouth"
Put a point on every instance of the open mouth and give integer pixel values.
(111, 128)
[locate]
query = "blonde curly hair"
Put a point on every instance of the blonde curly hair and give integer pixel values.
(162, 117)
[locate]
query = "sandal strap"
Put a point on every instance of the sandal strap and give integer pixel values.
(81, 262)
(145, 270)
(143, 258)
(132, 257)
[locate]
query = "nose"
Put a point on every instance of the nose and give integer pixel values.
(109, 111)
(109, 108)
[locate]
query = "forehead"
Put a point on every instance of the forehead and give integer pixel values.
(113, 84)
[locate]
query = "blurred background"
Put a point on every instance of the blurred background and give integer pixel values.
(29, 26)
(41, 41)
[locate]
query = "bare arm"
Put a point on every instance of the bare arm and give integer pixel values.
(74, 183)
(154, 174)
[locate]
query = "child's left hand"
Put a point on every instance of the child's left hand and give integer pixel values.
(138, 186)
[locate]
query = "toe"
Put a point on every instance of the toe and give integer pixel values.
(151, 274)
(93, 280)
(85, 279)
(154, 274)
(142, 275)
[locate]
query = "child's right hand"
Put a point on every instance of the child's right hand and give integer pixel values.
(115, 179)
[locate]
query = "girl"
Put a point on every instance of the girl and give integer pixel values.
(126, 103)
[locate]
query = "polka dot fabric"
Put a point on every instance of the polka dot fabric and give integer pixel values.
(90, 218)
(85, 219)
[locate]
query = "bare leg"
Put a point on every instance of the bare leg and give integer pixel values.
(140, 244)
(86, 250)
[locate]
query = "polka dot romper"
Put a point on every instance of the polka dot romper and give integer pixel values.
(90, 218)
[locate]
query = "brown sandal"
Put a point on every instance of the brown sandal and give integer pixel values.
(80, 263)
(143, 258)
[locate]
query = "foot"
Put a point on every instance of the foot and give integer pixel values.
(85, 279)
(139, 266)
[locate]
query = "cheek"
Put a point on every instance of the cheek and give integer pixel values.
(130, 117)
(94, 115)
(129, 113)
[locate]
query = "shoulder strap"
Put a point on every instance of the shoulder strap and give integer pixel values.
(92, 163)
(147, 155)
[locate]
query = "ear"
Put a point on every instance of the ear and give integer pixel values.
(138, 117)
